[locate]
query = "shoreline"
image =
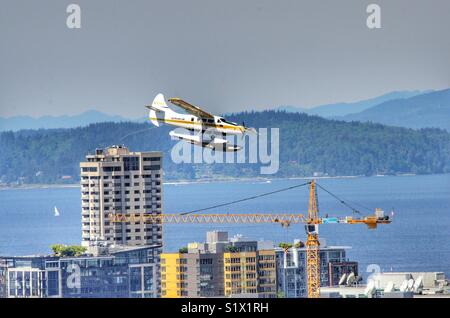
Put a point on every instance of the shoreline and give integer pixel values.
(199, 181)
(39, 186)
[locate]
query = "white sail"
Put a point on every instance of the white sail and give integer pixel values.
(56, 211)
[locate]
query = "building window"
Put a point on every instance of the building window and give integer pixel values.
(130, 163)
(89, 169)
(148, 278)
(153, 167)
(111, 169)
(135, 279)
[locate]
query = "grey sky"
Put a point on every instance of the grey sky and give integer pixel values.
(223, 55)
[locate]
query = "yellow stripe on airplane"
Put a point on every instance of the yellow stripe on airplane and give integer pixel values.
(192, 123)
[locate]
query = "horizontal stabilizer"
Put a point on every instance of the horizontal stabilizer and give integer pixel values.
(155, 108)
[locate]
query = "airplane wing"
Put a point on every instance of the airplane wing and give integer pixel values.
(194, 110)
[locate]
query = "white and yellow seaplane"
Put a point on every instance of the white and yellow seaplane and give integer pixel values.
(209, 130)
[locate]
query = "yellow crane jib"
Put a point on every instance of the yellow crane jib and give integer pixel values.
(208, 218)
(284, 219)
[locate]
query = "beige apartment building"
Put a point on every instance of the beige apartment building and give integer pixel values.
(220, 267)
(250, 273)
(116, 180)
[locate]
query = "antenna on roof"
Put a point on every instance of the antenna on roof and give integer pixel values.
(370, 289)
(404, 286)
(418, 284)
(342, 280)
(410, 284)
(389, 287)
(350, 278)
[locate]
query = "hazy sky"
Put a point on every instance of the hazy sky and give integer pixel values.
(222, 55)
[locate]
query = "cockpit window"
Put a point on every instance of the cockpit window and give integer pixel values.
(226, 121)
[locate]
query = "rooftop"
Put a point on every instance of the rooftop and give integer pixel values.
(117, 151)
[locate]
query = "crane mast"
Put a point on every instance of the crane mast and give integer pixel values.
(312, 243)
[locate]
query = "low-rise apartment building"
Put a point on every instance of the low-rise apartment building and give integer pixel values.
(292, 273)
(220, 267)
(120, 272)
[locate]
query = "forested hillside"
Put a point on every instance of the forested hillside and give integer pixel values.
(308, 144)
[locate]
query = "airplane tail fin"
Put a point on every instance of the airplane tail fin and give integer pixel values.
(159, 101)
(157, 109)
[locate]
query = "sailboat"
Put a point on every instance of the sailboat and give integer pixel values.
(56, 211)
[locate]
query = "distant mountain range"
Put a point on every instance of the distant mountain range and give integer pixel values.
(342, 109)
(411, 109)
(48, 122)
(421, 111)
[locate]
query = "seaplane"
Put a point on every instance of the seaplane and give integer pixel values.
(203, 128)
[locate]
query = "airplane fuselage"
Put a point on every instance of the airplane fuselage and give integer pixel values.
(192, 122)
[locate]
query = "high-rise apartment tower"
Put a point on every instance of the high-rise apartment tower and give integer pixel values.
(115, 180)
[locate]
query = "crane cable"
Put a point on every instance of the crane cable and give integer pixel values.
(136, 132)
(354, 210)
(248, 198)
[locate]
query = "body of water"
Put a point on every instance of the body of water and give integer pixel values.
(416, 240)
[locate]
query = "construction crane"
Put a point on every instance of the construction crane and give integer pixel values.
(311, 223)
(312, 244)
